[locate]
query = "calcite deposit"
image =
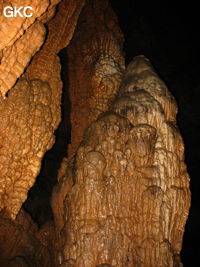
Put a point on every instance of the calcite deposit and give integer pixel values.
(95, 66)
(30, 112)
(122, 197)
(130, 196)
(21, 243)
(12, 28)
(26, 132)
(19, 41)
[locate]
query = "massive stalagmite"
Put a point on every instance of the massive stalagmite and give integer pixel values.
(129, 196)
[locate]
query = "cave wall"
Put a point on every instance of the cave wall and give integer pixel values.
(30, 107)
(30, 112)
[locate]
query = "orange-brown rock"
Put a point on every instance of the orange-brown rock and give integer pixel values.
(19, 41)
(124, 198)
(24, 219)
(29, 115)
(47, 238)
(15, 58)
(31, 112)
(130, 196)
(60, 191)
(19, 245)
(27, 123)
(50, 12)
(95, 64)
(12, 28)
(46, 64)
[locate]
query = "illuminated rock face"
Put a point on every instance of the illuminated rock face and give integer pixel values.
(26, 133)
(30, 112)
(130, 196)
(95, 65)
(124, 199)
(21, 38)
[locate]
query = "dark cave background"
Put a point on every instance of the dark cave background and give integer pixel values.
(168, 35)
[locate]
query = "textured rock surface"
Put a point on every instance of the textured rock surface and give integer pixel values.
(27, 124)
(45, 64)
(125, 198)
(31, 112)
(18, 41)
(12, 28)
(130, 195)
(29, 115)
(15, 58)
(96, 62)
(19, 245)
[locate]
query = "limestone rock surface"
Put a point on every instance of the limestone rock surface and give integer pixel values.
(46, 63)
(129, 196)
(26, 133)
(19, 41)
(60, 31)
(30, 113)
(15, 58)
(95, 64)
(19, 245)
(12, 28)
(123, 196)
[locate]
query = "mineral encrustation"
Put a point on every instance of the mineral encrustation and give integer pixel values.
(95, 66)
(122, 197)
(130, 197)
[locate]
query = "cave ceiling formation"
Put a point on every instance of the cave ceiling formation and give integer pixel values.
(122, 196)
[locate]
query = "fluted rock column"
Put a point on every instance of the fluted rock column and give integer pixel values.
(95, 65)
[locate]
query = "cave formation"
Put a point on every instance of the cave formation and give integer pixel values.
(120, 195)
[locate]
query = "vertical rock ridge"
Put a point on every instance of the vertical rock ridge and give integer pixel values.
(96, 64)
